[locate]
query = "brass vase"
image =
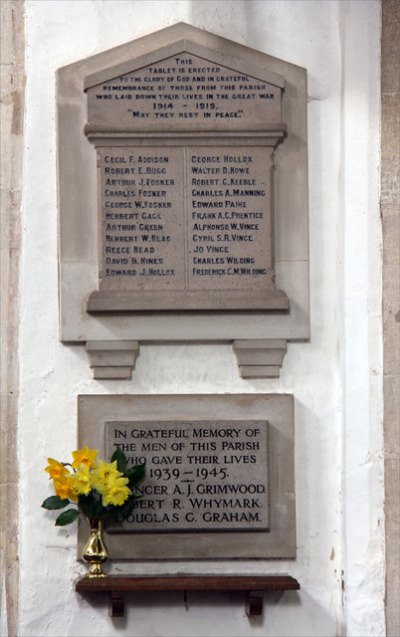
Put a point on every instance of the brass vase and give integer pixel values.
(95, 551)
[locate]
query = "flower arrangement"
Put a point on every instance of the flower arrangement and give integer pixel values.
(97, 489)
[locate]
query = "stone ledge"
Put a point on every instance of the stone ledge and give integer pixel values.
(260, 358)
(112, 360)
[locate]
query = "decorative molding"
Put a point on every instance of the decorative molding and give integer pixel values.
(111, 301)
(260, 358)
(112, 360)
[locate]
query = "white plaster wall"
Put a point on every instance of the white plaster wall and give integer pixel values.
(336, 378)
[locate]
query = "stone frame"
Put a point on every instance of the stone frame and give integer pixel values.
(77, 188)
(279, 542)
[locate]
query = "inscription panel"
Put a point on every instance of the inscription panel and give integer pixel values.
(142, 218)
(229, 228)
(184, 91)
(200, 475)
(186, 226)
(217, 237)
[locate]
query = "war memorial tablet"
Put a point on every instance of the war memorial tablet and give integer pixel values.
(183, 200)
(185, 176)
(219, 473)
(200, 475)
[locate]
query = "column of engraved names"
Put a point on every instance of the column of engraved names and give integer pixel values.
(199, 475)
(142, 218)
(229, 228)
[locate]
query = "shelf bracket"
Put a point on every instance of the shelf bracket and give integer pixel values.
(254, 603)
(117, 604)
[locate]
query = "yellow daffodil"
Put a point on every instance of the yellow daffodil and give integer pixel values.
(117, 492)
(103, 474)
(65, 488)
(56, 469)
(82, 482)
(84, 456)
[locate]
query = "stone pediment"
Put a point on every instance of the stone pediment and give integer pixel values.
(185, 83)
(176, 40)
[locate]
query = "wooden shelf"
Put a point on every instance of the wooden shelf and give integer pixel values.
(252, 586)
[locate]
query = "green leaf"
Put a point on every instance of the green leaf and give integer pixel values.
(128, 507)
(54, 502)
(87, 504)
(112, 512)
(120, 457)
(136, 474)
(67, 517)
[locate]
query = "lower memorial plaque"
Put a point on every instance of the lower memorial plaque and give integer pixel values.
(200, 475)
(219, 480)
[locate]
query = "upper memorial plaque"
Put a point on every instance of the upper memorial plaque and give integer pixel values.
(182, 189)
(185, 158)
